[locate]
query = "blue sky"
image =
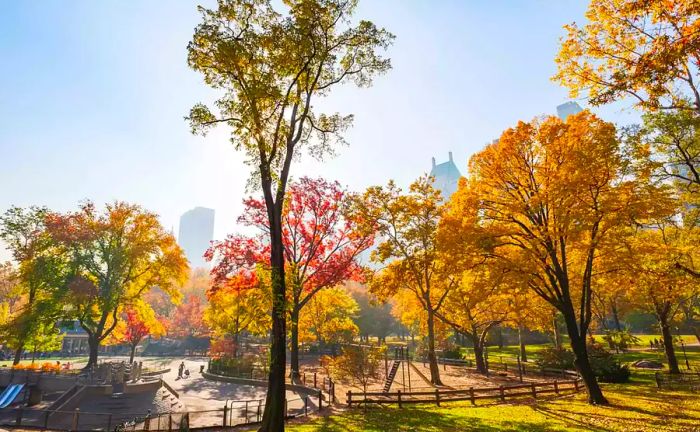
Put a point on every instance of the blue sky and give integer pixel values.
(93, 95)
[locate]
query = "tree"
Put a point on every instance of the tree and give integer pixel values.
(271, 68)
(544, 201)
(374, 318)
(646, 50)
(657, 284)
(475, 306)
(407, 226)
(321, 246)
(328, 318)
(241, 304)
(358, 363)
(116, 256)
(41, 271)
(528, 312)
(136, 323)
(188, 318)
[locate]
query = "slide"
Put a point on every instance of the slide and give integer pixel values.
(9, 395)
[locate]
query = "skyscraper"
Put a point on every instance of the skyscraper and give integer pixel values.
(196, 232)
(566, 109)
(446, 177)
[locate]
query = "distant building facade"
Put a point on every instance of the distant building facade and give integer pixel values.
(566, 109)
(196, 233)
(446, 177)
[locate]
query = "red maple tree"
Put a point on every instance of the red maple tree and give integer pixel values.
(135, 327)
(321, 247)
(188, 318)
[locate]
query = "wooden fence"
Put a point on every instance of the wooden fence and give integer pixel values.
(438, 396)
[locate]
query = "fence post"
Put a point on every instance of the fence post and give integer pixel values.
(259, 406)
(109, 423)
(656, 378)
(315, 380)
(19, 417)
(76, 419)
(303, 380)
(170, 422)
(332, 384)
(306, 406)
(399, 393)
(147, 423)
(246, 412)
(46, 420)
(576, 385)
(225, 412)
(556, 387)
(534, 391)
(437, 396)
(503, 395)
(320, 400)
(349, 399)
(471, 395)
(286, 406)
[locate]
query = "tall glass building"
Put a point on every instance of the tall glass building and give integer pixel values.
(446, 177)
(196, 233)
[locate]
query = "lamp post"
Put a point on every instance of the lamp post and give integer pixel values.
(687, 365)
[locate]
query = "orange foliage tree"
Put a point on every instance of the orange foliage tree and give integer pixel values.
(116, 256)
(543, 202)
(647, 50)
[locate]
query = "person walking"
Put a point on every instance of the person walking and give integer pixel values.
(181, 369)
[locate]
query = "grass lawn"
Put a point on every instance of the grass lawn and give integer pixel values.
(635, 406)
(8, 363)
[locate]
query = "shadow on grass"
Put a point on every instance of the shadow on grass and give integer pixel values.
(418, 419)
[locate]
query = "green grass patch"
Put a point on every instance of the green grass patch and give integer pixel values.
(635, 406)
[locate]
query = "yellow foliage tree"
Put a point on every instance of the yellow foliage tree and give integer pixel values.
(543, 201)
(407, 225)
(647, 50)
(328, 317)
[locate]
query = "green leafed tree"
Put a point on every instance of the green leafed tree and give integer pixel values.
(271, 65)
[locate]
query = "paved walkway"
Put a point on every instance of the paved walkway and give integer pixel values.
(200, 394)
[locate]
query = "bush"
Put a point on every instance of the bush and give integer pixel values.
(605, 366)
(452, 352)
(556, 358)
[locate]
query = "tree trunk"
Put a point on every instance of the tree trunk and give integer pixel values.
(432, 358)
(294, 343)
(616, 318)
(93, 345)
(479, 360)
(18, 354)
(273, 416)
(583, 365)
(696, 331)
(668, 347)
(133, 351)
(555, 329)
(521, 342)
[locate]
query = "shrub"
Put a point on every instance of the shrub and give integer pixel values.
(605, 366)
(556, 358)
(452, 352)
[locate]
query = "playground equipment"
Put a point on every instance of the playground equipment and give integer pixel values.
(10, 394)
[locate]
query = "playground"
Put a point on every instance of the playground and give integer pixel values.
(157, 393)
